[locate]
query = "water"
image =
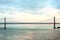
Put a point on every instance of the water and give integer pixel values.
(29, 32)
(28, 26)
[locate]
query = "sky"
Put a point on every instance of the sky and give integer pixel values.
(29, 10)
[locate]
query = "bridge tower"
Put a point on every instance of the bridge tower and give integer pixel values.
(4, 23)
(54, 23)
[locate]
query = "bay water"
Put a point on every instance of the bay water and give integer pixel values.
(29, 32)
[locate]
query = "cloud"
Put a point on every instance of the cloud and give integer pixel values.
(16, 15)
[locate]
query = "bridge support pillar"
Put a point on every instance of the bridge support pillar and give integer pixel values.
(4, 23)
(54, 23)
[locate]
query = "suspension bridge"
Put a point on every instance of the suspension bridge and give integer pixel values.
(5, 23)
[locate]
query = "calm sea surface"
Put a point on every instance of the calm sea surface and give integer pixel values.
(28, 26)
(29, 32)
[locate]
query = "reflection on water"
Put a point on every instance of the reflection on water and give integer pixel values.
(39, 34)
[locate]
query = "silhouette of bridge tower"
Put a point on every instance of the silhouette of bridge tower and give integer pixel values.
(54, 23)
(4, 23)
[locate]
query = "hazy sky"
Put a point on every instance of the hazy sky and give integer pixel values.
(29, 10)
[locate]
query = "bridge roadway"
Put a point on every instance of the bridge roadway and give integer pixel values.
(29, 23)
